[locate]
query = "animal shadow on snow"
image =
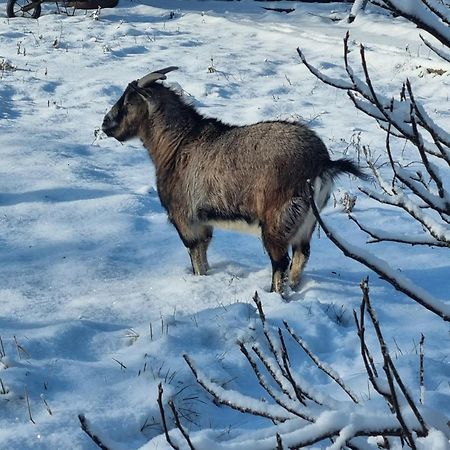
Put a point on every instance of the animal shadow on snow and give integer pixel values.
(327, 282)
(61, 339)
(7, 110)
(56, 195)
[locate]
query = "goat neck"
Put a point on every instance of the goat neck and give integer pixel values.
(172, 124)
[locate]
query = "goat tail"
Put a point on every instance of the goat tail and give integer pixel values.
(323, 183)
(344, 165)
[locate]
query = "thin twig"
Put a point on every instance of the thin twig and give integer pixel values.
(368, 359)
(427, 123)
(414, 210)
(388, 367)
(263, 382)
(388, 359)
(28, 406)
(417, 190)
(263, 412)
(439, 52)
(279, 442)
(417, 19)
(122, 366)
(319, 363)
(179, 426)
(95, 438)
(429, 168)
(20, 349)
(272, 371)
(163, 417)
(2, 349)
(47, 406)
(421, 369)
(276, 353)
(376, 238)
(299, 392)
(365, 348)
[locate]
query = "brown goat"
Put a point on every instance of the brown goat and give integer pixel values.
(209, 173)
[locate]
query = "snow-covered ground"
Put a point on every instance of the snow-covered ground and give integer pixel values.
(97, 302)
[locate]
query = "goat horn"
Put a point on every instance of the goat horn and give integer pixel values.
(154, 76)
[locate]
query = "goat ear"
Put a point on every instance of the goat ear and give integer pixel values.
(154, 76)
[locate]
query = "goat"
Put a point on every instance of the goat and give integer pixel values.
(212, 174)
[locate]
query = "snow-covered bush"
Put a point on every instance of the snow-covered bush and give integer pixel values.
(304, 415)
(417, 155)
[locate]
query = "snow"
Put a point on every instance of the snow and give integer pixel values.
(98, 305)
(424, 14)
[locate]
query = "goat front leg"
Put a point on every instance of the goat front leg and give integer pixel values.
(279, 273)
(196, 239)
(198, 259)
(205, 238)
(198, 251)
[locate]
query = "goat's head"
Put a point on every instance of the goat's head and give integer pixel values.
(125, 117)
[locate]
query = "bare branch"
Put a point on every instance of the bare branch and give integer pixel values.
(331, 373)
(387, 366)
(378, 236)
(279, 357)
(380, 267)
(279, 442)
(439, 52)
(436, 230)
(288, 405)
(333, 423)
(267, 335)
(163, 417)
(300, 393)
(179, 426)
(327, 80)
(440, 137)
(421, 370)
(85, 427)
(367, 357)
(438, 9)
(365, 106)
(245, 405)
(421, 148)
(407, 396)
(341, 422)
(270, 367)
(29, 406)
(438, 29)
(388, 359)
(437, 204)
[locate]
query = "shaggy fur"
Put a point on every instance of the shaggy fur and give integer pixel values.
(211, 173)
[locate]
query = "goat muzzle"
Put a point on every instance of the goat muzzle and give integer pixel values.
(108, 126)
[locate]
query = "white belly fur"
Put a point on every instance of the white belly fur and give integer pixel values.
(238, 225)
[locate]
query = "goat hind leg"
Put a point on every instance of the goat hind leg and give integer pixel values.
(300, 256)
(301, 247)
